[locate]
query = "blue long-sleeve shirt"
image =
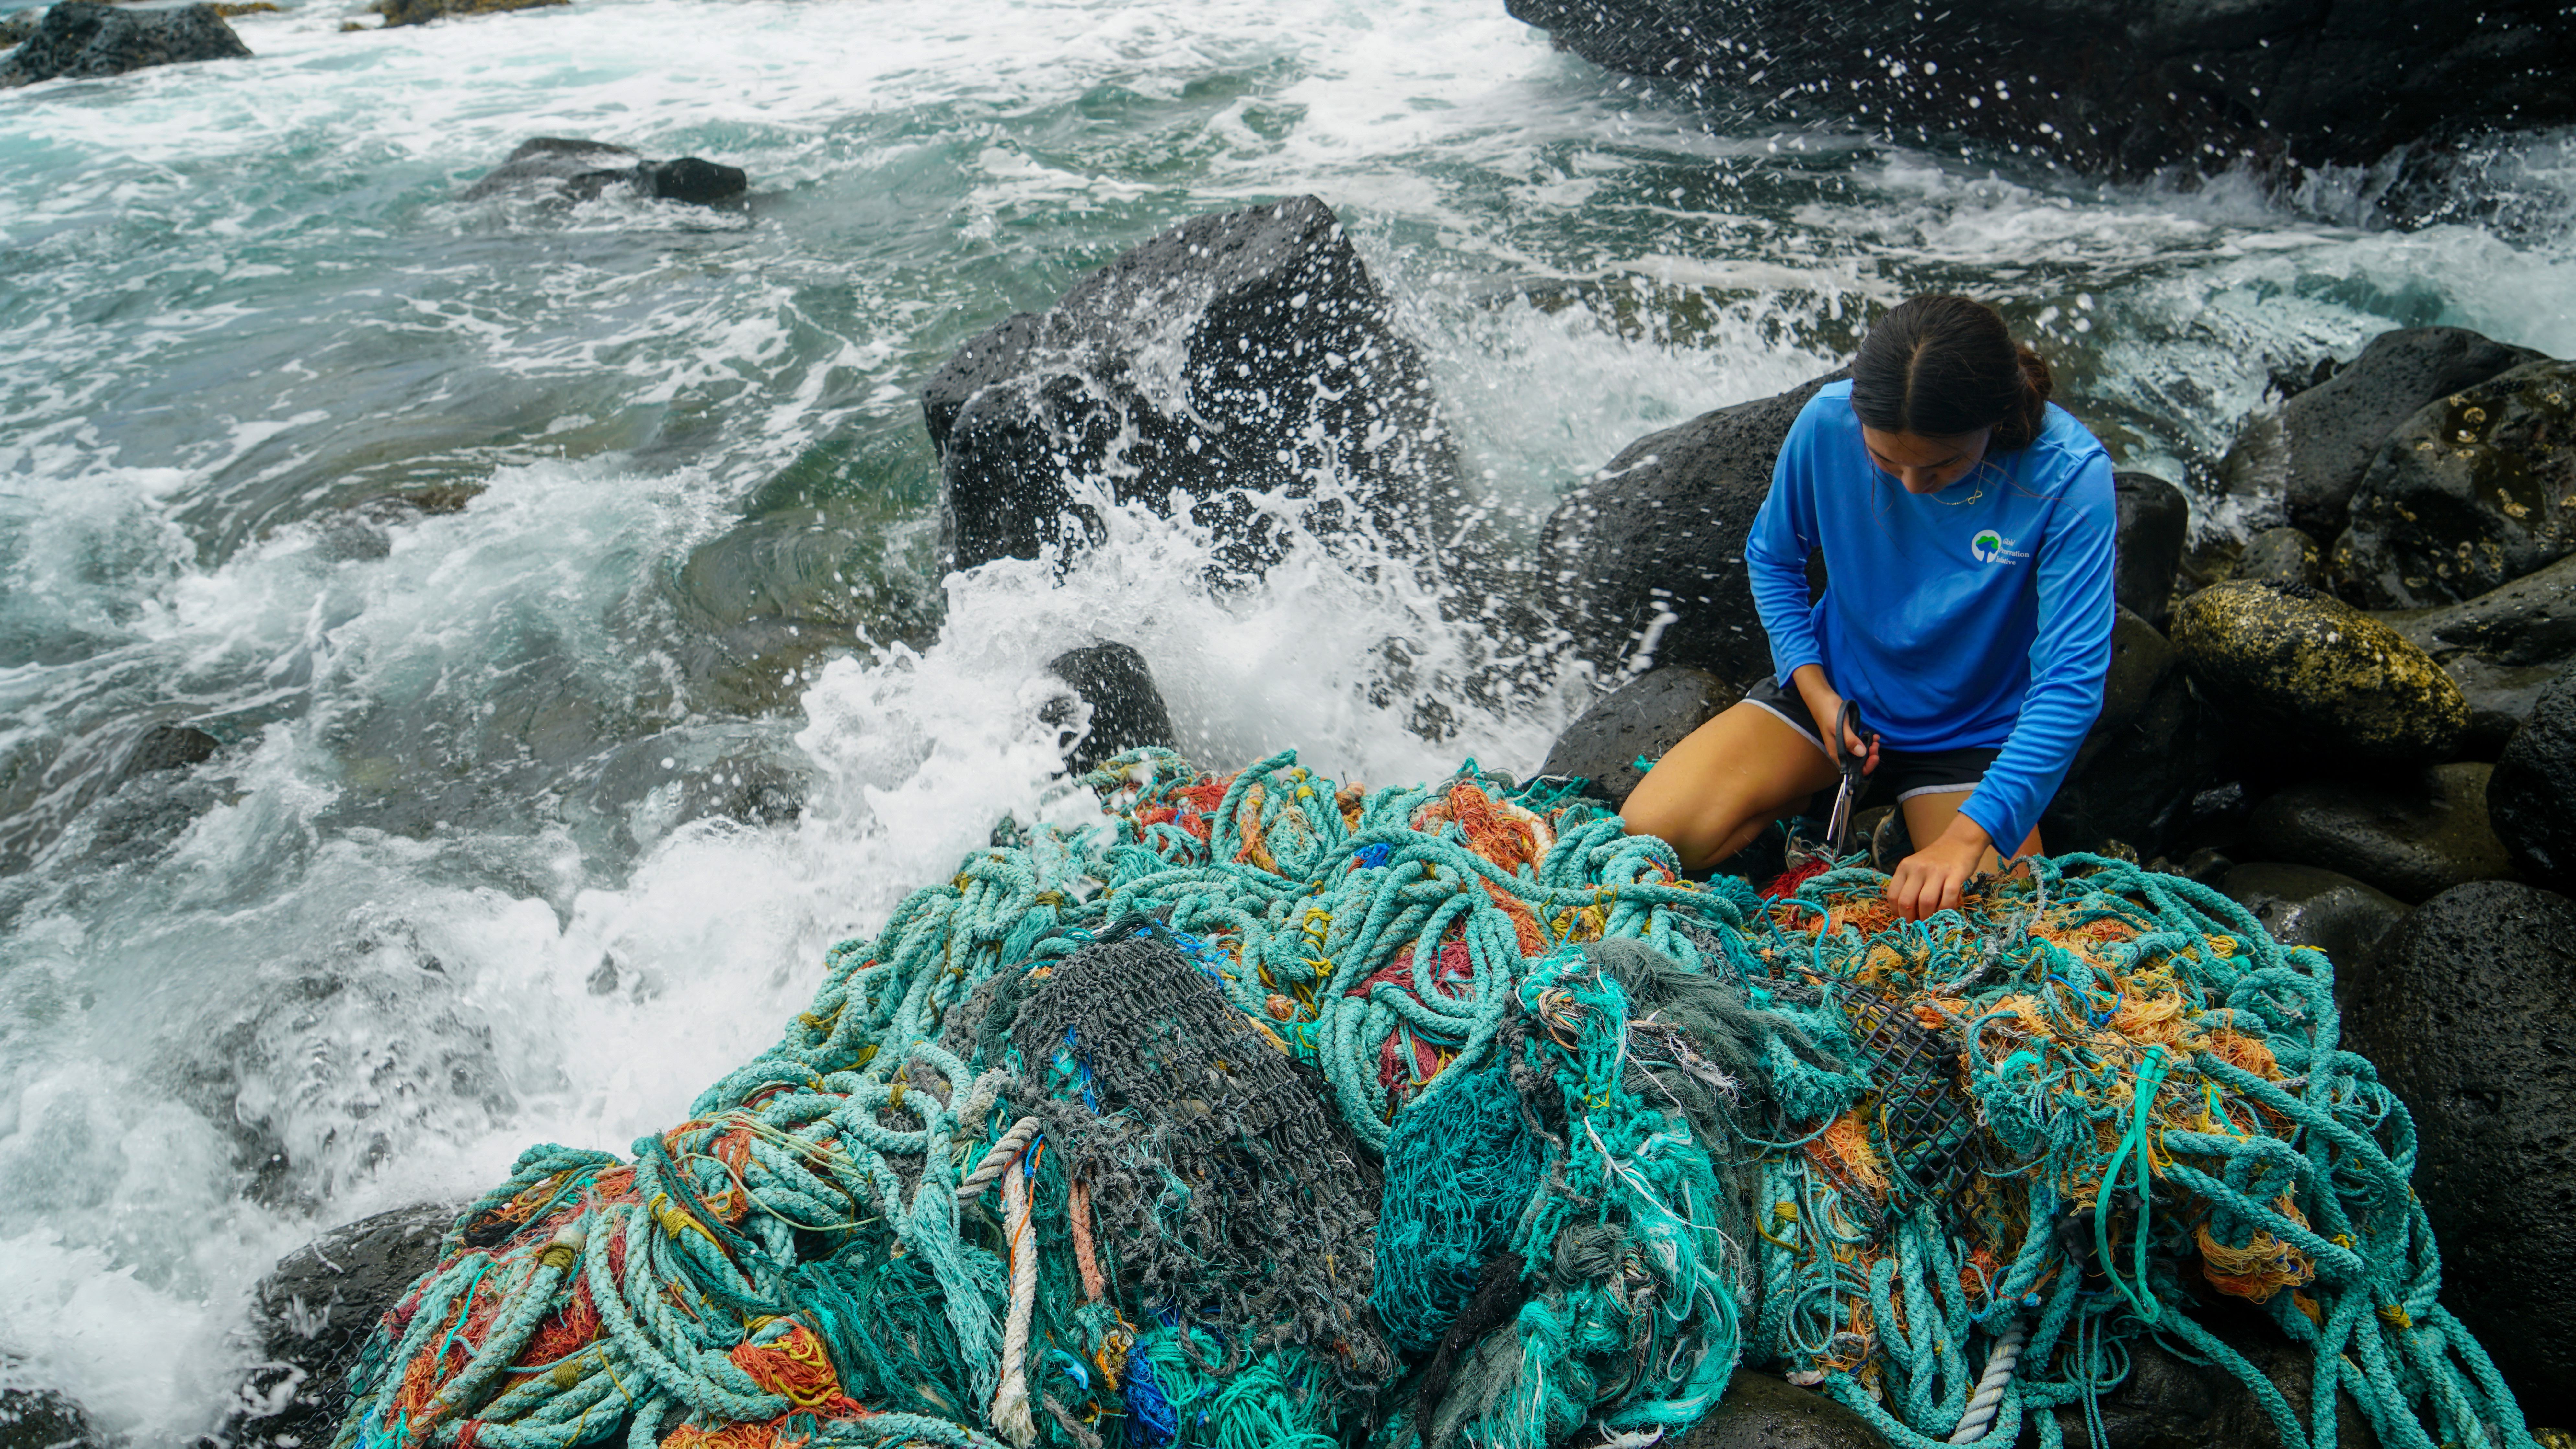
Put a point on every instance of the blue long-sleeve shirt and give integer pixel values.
(1978, 616)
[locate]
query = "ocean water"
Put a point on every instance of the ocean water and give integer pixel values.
(494, 850)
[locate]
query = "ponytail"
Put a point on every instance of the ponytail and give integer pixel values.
(1938, 366)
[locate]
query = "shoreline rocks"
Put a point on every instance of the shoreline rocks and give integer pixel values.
(2103, 86)
(2470, 493)
(2291, 672)
(82, 39)
(312, 1314)
(582, 170)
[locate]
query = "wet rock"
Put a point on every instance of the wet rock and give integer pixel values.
(17, 25)
(2531, 797)
(2154, 523)
(2311, 453)
(2413, 835)
(169, 747)
(83, 40)
(2290, 672)
(1650, 550)
(2469, 1010)
(1237, 355)
(2099, 84)
(2472, 492)
(45, 1419)
(421, 12)
(1639, 720)
(579, 170)
(2282, 556)
(1127, 711)
(2134, 777)
(2164, 1401)
(2305, 905)
(1758, 1411)
(312, 1314)
(2502, 648)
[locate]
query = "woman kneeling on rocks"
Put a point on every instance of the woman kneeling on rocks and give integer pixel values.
(1967, 611)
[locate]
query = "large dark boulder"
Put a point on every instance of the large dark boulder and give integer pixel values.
(2531, 797)
(46, 1419)
(1650, 550)
(579, 170)
(2154, 524)
(82, 39)
(2292, 674)
(1235, 356)
(1127, 711)
(2469, 1010)
(1758, 1411)
(2306, 905)
(2472, 492)
(2127, 86)
(2134, 778)
(2311, 452)
(2502, 648)
(2413, 834)
(1639, 720)
(312, 1314)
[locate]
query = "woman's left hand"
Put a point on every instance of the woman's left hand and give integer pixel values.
(1930, 879)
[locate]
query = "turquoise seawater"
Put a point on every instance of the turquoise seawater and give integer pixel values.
(460, 879)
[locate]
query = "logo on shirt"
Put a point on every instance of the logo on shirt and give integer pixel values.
(1989, 546)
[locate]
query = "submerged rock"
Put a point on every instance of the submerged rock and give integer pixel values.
(2154, 524)
(2502, 648)
(2411, 835)
(2134, 778)
(421, 12)
(2307, 905)
(2312, 452)
(2102, 84)
(2468, 1008)
(584, 170)
(2471, 493)
(1649, 552)
(312, 1314)
(1236, 364)
(2290, 673)
(1127, 711)
(46, 1419)
(1639, 720)
(169, 747)
(82, 39)
(2531, 797)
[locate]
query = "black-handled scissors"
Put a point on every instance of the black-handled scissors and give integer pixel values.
(1846, 729)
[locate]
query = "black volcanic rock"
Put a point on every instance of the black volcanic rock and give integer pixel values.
(2468, 1009)
(2310, 454)
(312, 1314)
(2472, 492)
(1127, 711)
(580, 170)
(2154, 524)
(1237, 364)
(2126, 86)
(2140, 765)
(1648, 553)
(1641, 719)
(81, 39)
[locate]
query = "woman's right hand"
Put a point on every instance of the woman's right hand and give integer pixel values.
(1825, 705)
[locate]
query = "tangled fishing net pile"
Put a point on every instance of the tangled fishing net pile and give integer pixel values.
(1265, 1113)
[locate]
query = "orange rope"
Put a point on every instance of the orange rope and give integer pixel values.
(1078, 1209)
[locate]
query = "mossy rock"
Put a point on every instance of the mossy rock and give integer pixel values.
(421, 12)
(2292, 673)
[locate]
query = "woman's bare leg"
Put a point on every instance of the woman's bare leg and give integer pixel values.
(1712, 793)
(1927, 816)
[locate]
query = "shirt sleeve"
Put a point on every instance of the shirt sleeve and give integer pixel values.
(2068, 660)
(1775, 552)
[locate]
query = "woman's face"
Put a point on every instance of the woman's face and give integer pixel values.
(1925, 464)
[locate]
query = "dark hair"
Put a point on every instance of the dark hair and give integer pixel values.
(1938, 366)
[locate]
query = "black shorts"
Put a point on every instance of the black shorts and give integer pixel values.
(1906, 773)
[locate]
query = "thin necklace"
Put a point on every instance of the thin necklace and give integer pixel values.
(1982, 465)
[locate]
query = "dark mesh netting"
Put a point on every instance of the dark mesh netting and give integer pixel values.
(1229, 1193)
